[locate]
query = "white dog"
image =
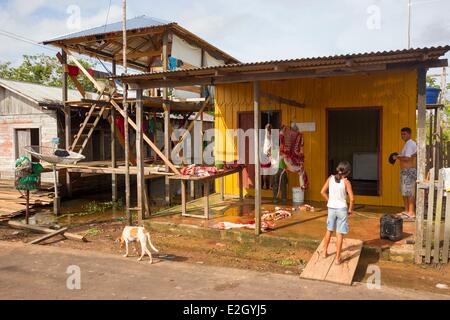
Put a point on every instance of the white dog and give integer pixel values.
(134, 234)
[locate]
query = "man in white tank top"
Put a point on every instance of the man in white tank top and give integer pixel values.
(408, 173)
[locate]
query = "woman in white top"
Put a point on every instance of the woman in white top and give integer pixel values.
(338, 187)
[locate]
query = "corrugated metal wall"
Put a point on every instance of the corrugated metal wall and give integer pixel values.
(395, 92)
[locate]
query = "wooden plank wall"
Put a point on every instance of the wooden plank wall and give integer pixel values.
(17, 112)
(395, 92)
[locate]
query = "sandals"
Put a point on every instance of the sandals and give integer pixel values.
(403, 215)
(406, 217)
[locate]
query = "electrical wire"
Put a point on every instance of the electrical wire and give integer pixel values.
(24, 39)
(107, 15)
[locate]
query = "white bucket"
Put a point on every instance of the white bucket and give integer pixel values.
(298, 195)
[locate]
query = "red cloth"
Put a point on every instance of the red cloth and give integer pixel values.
(91, 72)
(73, 71)
(120, 124)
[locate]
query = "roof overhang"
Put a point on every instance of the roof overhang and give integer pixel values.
(296, 68)
(144, 43)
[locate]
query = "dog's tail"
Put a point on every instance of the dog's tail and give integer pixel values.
(150, 242)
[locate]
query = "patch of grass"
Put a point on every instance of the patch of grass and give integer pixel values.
(241, 249)
(92, 232)
(289, 263)
(95, 207)
(100, 207)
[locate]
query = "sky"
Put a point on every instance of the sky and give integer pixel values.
(249, 30)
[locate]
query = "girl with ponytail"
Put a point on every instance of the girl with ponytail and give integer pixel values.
(335, 191)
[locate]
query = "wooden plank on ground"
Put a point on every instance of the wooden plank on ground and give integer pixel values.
(318, 267)
(343, 273)
(48, 236)
(18, 225)
(325, 269)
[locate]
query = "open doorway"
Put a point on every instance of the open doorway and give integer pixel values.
(354, 135)
(245, 122)
(23, 138)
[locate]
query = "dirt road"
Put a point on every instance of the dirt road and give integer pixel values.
(38, 272)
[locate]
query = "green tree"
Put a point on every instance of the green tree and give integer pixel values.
(43, 69)
(431, 82)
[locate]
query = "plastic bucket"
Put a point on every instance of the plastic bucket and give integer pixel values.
(433, 95)
(298, 195)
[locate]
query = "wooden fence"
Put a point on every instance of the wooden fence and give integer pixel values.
(435, 229)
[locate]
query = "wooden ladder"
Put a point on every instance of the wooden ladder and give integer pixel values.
(87, 129)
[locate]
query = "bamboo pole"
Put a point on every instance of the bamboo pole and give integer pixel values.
(113, 146)
(166, 118)
(140, 157)
(67, 120)
(257, 120)
(125, 106)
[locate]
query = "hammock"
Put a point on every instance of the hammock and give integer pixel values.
(48, 154)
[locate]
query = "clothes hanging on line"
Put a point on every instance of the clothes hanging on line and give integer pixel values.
(291, 150)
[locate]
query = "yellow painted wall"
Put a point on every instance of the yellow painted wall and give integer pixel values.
(395, 92)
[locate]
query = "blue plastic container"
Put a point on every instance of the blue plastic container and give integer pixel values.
(433, 95)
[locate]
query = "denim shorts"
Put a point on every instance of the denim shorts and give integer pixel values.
(338, 220)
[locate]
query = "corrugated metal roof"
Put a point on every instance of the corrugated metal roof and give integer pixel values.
(39, 93)
(132, 24)
(394, 56)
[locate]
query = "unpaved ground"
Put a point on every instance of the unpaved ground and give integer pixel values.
(46, 272)
(243, 256)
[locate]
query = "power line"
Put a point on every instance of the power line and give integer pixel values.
(23, 39)
(107, 15)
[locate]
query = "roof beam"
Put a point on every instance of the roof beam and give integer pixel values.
(192, 79)
(282, 100)
(140, 54)
(111, 36)
(107, 56)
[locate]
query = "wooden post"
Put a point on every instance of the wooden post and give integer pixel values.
(434, 145)
(167, 144)
(183, 197)
(257, 120)
(437, 221)
(140, 157)
(222, 188)
(125, 107)
(241, 185)
(113, 146)
(27, 210)
(447, 158)
(206, 198)
(67, 120)
(421, 160)
(430, 211)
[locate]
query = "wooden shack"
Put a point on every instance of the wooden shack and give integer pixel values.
(351, 106)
